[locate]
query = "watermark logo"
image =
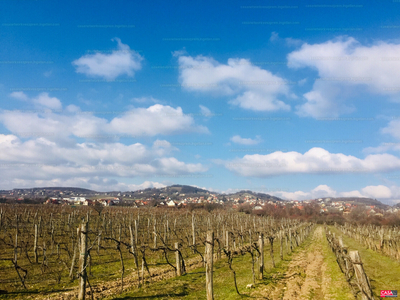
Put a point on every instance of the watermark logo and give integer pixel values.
(389, 293)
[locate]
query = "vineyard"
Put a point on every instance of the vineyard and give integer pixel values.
(76, 251)
(369, 257)
(383, 239)
(64, 252)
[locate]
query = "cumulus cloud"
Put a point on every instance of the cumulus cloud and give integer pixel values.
(42, 148)
(380, 192)
(314, 161)
(42, 159)
(46, 101)
(122, 61)
(250, 86)
(343, 65)
(320, 191)
(95, 183)
(155, 120)
(43, 100)
(246, 141)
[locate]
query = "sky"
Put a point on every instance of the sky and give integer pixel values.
(297, 100)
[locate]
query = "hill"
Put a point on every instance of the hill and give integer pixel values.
(76, 190)
(260, 196)
(359, 200)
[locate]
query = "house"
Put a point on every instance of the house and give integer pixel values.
(108, 203)
(88, 202)
(51, 201)
(171, 203)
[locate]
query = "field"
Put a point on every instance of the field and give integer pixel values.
(126, 253)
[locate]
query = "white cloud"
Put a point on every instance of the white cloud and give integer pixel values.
(257, 101)
(94, 183)
(252, 87)
(274, 36)
(291, 42)
(157, 119)
(154, 120)
(324, 101)
(320, 191)
(393, 129)
(383, 147)
(314, 161)
(49, 155)
(246, 141)
(44, 100)
(352, 194)
(42, 159)
(205, 111)
(302, 82)
(343, 65)
(380, 192)
(19, 96)
(109, 66)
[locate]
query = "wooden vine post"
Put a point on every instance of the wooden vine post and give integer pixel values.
(193, 230)
(82, 261)
(261, 246)
(209, 265)
(178, 260)
(362, 280)
(35, 246)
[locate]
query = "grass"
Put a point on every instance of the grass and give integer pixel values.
(192, 285)
(38, 283)
(382, 271)
(339, 288)
(105, 267)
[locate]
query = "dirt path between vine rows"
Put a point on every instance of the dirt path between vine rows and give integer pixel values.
(306, 277)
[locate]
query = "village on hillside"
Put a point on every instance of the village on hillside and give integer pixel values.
(176, 197)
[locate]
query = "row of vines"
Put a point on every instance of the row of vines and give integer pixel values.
(58, 248)
(383, 239)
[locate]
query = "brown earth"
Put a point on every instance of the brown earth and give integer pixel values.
(306, 277)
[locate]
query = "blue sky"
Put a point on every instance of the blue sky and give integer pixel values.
(295, 100)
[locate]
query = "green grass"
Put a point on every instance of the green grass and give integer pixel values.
(192, 285)
(382, 271)
(105, 267)
(339, 288)
(37, 283)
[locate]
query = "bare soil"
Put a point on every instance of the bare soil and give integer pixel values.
(306, 277)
